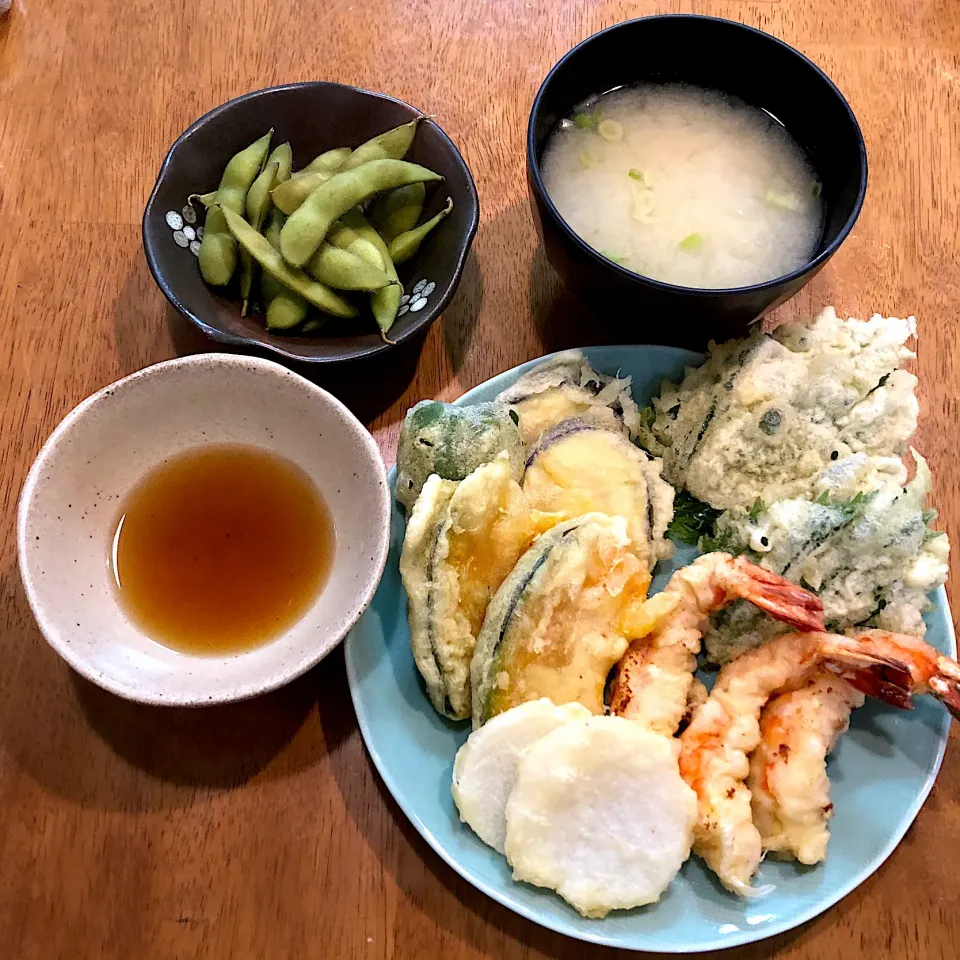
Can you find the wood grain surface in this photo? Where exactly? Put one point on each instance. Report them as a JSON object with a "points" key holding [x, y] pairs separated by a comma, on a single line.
{"points": [[261, 830]]}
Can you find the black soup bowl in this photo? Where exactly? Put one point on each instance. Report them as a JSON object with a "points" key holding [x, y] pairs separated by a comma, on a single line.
{"points": [[733, 59], [314, 117]]}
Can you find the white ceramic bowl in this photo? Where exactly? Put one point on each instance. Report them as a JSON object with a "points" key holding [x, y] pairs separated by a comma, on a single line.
{"points": [[102, 449]]}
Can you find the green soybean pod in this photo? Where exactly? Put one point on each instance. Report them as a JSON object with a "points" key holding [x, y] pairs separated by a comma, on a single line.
{"points": [[343, 270], [289, 195], [240, 173], [258, 196], [207, 199], [271, 233], [398, 211], [385, 302], [218, 249], [347, 238], [329, 162], [314, 325], [308, 224], [282, 156], [284, 308], [270, 260], [402, 248], [257, 204], [391, 145], [286, 311]]}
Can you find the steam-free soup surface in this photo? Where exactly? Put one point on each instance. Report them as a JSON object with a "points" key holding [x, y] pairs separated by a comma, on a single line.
{"points": [[221, 548], [685, 185]]}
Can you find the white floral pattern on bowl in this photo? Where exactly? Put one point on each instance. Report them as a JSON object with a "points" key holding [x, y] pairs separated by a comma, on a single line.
{"points": [[185, 234], [416, 300]]}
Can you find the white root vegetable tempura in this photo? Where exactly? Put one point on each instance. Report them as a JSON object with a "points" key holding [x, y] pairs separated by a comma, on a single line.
{"points": [[685, 185], [600, 814], [485, 768]]}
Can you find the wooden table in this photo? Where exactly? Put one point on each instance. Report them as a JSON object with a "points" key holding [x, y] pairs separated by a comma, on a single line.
{"points": [[261, 829]]}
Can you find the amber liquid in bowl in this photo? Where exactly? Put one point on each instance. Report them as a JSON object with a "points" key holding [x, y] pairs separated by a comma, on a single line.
{"points": [[221, 549]]}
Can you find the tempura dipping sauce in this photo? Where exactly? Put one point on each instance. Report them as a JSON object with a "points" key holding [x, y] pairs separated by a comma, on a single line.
{"points": [[685, 185], [221, 549]]}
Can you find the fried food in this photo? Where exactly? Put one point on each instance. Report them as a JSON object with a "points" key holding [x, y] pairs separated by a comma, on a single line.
{"points": [[566, 387], [485, 768], [788, 782], [872, 559], [766, 416], [578, 467], [461, 542], [552, 629], [452, 442], [600, 814], [653, 680], [724, 731]]}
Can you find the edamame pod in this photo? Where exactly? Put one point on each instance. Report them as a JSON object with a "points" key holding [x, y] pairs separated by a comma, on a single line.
{"points": [[257, 204], [343, 270], [298, 187], [271, 231], [385, 302], [282, 156], [207, 199], [314, 325], [258, 196], [304, 231], [285, 309], [403, 247], [270, 260], [288, 196], [218, 249], [398, 211], [240, 173], [391, 145], [329, 162], [347, 238]]}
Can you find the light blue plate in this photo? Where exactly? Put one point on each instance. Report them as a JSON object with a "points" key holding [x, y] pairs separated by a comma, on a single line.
{"points": [[881, 772]]}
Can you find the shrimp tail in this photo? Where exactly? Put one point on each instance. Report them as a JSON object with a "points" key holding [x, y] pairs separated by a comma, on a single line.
{"points": [[783, 600], [881, 678], [947, 691], [871, 663]]}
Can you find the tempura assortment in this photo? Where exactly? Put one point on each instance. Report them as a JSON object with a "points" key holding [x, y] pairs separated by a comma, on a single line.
{"points": [[598, 761]]}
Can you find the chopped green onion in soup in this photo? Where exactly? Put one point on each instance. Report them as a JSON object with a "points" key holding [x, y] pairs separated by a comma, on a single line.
{"points": [[643, 204], [786, 201], [612, 256], [586, 121], [698, 165], [610, 130]]}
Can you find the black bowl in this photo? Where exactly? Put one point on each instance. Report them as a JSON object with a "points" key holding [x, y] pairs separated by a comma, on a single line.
{"points": [[314, 117], [720, 55]]}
